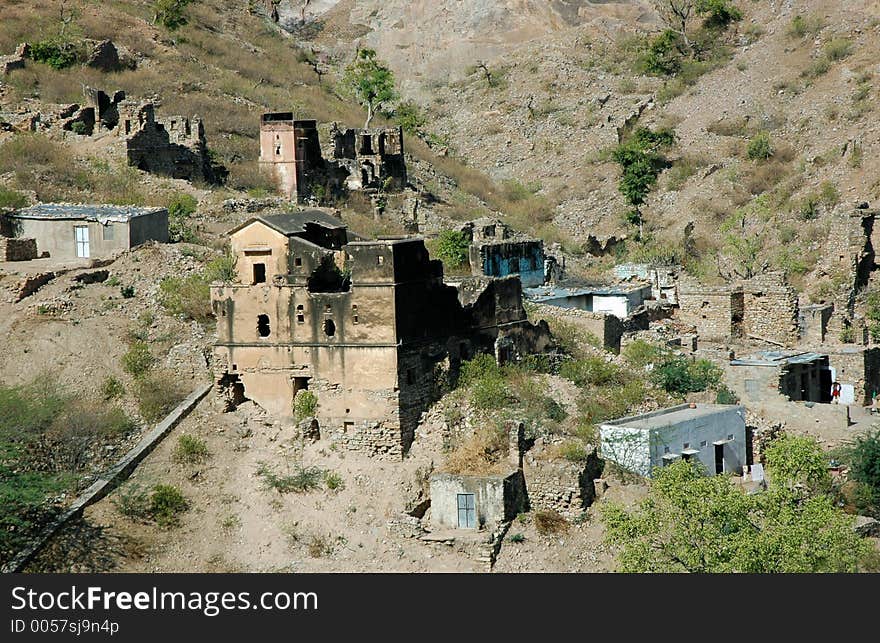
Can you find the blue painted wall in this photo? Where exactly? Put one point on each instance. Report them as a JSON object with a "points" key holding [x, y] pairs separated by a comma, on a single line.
{"points": [[525, 259]]}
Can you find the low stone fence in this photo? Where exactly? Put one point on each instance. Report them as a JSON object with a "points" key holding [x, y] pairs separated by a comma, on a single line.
{"points": [[111, 478]]}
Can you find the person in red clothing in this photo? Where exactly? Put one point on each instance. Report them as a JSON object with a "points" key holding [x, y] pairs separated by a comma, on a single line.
{"points": [[835, 393]]}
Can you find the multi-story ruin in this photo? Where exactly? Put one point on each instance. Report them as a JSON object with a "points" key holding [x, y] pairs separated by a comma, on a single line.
{"points": [[290, 151], [175, 146], [373, 158], [363, 325]]}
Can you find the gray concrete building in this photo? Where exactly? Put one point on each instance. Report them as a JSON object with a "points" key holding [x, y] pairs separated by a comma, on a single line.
{"points": [[475, 502], [78, 231], [713, 434]]}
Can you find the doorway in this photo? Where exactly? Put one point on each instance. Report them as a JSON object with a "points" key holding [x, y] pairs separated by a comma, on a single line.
{"points": [[719, 459], [467, 513], [81, 236]]}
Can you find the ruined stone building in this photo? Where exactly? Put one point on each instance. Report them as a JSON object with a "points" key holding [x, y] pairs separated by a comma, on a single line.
{"points": [[807, 376], [495, 251], [367, 160], [364, 325], [663, 279], [174, 146], [763, 308], [290, 152], [372, 157]]}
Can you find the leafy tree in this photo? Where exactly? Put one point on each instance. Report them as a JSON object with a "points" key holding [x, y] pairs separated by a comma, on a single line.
{"points": [[641, 162], [171, 14], [695, 523], [663, 55], [677, 15], [453, 247], [795, 461], [371, 82], [864, 457]]}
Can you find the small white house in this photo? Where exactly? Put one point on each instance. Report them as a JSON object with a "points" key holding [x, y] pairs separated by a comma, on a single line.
{"points": [[714, 434], [620, 301]]}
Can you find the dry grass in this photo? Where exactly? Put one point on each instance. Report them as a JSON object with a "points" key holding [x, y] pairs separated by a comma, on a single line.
{"points": [[550, 523], [484, 453]]}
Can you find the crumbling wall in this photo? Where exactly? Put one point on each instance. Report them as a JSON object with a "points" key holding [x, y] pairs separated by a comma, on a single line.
{"points": [[849, 257], [814, 322], [859, 367], [562, 486], [175, 146], [606, 328], [373, 158], [504, 258], [716, 312], [17, 249], [770, 309]]}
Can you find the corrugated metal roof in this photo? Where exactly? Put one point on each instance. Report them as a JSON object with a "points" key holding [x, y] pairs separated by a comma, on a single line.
{"points": [[91, 212]]}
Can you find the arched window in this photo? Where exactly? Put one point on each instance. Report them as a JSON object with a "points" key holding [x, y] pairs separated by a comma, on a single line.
{"points": [[263, 329]]}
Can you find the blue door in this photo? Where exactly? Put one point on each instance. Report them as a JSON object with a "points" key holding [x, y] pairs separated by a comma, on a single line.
{"points": [[467, 514]]}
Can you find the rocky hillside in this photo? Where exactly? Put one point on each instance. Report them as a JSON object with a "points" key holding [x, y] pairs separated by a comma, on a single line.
{"points": [[563, 90]]}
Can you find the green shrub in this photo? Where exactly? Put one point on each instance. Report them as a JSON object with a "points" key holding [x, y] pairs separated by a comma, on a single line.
{"points": [[157, 396], [453, 247], [760, 147], [801, 26], [680, 375], [334, 481], [191, 450], [171, 14], [640, 353], [485, 381], [305, 403], [79, 128], [12, 199], [221, 269], [127, 292], [719, 13], [725, 396], [112, 388], [301, 480], [592, 371], [166, 505], [553, 410], [180, 208], [864, 458], [573, 451], [410, 117], [662, 56], [189, 297], [138, 360], [56, 53], [838, 49], [133, 501], [516, 538]]}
